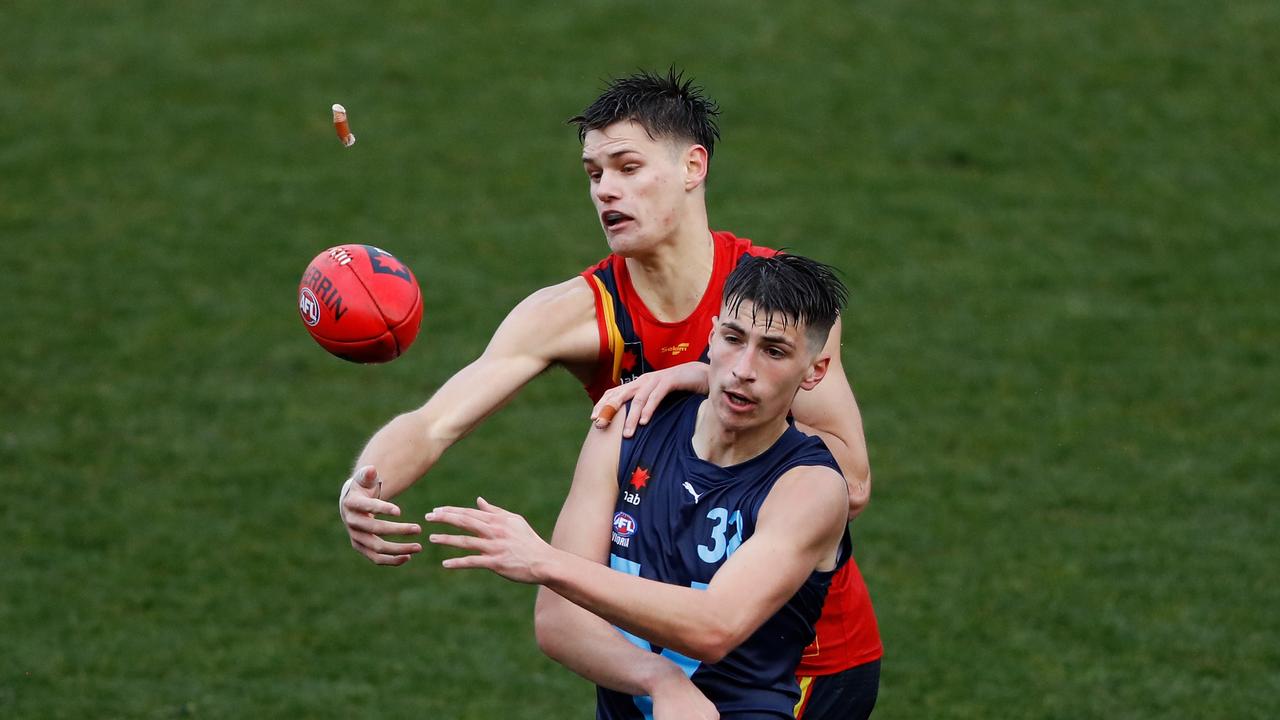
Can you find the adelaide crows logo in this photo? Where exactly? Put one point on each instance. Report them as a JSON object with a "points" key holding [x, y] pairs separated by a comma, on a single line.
{"points": [[386, 263]]}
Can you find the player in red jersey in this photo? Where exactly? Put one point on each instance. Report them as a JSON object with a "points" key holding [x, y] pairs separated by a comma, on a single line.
{"points": [[647, 145]]}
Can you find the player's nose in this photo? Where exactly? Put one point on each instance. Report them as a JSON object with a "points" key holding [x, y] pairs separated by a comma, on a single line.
{"points": [[607, 188], [743, 367]]}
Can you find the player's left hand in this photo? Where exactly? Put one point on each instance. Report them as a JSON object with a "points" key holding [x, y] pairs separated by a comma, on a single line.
{"points": [[646, 393], [501, 541]]}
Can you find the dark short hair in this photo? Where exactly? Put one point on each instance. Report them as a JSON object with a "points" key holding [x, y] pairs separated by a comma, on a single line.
{"points": [[789, 288], [664, 105]]}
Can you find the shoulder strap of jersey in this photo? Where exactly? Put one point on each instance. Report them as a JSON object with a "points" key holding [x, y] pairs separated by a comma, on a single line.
{"points": [[675, 415], [614, 326], [603, 289]]}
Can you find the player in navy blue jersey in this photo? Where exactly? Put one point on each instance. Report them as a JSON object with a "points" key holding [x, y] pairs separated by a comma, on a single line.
{"points": [[707, 539]]}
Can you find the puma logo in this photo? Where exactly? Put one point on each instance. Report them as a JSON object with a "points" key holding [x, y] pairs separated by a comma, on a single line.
{"points": [[694, 493]]}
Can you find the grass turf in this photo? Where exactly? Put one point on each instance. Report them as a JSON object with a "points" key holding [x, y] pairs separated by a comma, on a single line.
{"points": [[1058, 220]]}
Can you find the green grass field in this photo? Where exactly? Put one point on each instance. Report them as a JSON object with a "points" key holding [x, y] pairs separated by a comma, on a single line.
{"points": [[1059, 221]]}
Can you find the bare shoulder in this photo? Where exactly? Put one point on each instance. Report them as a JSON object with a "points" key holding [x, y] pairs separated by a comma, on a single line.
{"points": [[570, 296], [557, 321], [808, 496]]}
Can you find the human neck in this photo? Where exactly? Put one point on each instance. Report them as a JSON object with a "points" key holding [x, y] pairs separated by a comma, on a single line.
{"points": [[718, 445], [672, 278]]}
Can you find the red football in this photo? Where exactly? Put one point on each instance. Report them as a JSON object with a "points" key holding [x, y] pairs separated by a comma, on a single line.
{"points": [[360, 303]]}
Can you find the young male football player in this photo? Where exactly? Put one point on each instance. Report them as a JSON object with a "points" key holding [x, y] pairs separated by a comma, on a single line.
{"points": [[647, 143], [710, 536]]}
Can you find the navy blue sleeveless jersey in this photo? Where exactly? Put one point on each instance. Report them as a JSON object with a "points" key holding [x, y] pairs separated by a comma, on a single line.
{"points": [[677, 519]]}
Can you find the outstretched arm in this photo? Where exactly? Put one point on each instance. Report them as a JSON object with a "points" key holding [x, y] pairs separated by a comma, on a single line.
{"points": [[553, 325], [797, 530]]}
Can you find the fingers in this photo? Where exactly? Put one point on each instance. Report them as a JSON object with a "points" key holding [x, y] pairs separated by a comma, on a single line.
{"points": [[462, 542], [393, 560], [473, 521], [642, 408], [382, 552], [605, 416], [479, 546], [367, 524], [467, 562], [607, 406], [646, 398], [367, 477], [644, 394], [356, 503], [650, 406]]}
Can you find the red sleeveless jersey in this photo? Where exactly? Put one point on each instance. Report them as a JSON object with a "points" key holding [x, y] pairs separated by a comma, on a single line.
{"points": [[633, 342]]}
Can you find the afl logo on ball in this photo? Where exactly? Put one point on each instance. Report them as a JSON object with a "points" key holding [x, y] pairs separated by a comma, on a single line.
{"points": [[309, 307]]}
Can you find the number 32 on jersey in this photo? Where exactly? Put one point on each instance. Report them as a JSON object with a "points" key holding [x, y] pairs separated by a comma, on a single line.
{"points": [[722, 545]]}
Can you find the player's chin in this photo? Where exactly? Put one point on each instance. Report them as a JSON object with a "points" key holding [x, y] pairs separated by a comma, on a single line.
{"points": [[625, 240]]}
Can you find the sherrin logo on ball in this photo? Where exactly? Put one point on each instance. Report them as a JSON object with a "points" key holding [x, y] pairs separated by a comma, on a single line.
{"points": [[360, 303]]}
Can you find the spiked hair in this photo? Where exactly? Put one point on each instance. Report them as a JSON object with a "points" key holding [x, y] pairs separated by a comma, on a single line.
{"points": [[665, 106], [788, 288]]}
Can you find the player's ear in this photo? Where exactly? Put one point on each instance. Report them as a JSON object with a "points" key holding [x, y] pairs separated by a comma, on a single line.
{"points": [[817, 370], [695, 166], [711, 336]]}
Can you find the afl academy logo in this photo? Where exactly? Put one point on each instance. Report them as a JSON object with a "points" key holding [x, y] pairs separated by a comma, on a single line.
{"points": [[309, 306], [624, 526]]}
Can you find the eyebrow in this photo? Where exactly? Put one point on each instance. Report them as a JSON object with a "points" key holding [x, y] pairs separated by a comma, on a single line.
{"points": [[775, 339], [611, 156]]}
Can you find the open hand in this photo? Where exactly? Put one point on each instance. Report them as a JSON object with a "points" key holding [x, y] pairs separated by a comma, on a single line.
{"points": [[357, 506], [501, 541]]}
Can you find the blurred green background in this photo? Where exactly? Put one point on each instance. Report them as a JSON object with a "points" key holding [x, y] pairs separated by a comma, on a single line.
{"points": [[1059, 221]]}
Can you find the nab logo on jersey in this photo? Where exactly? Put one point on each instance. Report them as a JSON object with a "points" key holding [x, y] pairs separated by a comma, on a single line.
{"points": [[624, 526]]}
